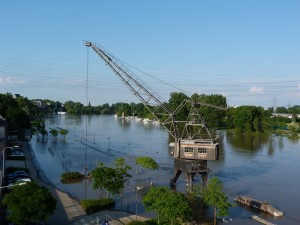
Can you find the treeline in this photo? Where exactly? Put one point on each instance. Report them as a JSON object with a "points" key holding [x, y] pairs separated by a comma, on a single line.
{"points": [[22, 113], [214, 110], [17, 111]]}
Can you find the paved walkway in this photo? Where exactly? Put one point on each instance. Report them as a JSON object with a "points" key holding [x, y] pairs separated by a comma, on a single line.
{"points": [[67, 208]]}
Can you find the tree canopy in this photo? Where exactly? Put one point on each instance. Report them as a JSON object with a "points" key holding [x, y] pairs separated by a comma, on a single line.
{"points": [[171, 207], [29, 203], [111, 179], [147, 162], [213, 195]]}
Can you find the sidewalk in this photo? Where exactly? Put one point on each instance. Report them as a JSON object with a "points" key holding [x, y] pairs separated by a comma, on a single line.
{"points": [[67, 208]]}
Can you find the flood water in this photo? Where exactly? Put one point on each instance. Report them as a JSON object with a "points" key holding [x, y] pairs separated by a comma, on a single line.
{"points": [[265, 168]]}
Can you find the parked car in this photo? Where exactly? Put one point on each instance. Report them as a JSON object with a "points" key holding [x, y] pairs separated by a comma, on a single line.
{"points": [[225, 219], [17, 173], [18, 181], [16, 152]]}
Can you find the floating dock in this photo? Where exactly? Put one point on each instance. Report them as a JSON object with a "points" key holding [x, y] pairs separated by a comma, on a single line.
{"points": [[258, 219]]}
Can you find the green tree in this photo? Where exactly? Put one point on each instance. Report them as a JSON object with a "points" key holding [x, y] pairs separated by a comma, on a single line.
{"points": [[171, 207], [29, 203], [212, 194], [63, 132], [54, 133], [176, 98], [213, 116], [111, 179], [294, 127], [147, 162]]}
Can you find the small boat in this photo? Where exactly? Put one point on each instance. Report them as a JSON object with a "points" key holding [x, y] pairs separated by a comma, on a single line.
{"points": [[138, 119], [147, 121], [156, 122]]}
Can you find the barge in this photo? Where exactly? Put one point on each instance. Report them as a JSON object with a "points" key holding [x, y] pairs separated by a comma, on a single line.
{"points": [[263, 206]]}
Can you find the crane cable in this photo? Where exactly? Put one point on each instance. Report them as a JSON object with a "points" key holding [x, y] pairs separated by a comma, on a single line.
{"points": [[86, 127]]}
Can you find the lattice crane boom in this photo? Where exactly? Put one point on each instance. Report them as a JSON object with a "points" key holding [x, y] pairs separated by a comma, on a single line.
{"points": [[191, 148], [192, 139], [141, 90]]}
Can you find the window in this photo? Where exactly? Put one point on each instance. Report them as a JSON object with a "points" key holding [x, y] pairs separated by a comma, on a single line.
{"points": [[188, 149], [202, 151]]}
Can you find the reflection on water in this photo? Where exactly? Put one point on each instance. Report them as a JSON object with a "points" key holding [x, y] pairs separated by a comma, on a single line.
{"points": [[261, 166], [248, 142]]}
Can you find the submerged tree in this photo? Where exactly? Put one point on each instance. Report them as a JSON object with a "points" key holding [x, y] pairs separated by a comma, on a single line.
{"points": [[54, 133], [147, 162], [63, 132], [111, 179]]}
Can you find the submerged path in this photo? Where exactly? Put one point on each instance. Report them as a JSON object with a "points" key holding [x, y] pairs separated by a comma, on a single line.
{"points": [[68, 210]]}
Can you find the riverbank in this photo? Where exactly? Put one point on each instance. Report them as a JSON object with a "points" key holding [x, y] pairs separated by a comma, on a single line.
{"points": [[67, 208]]}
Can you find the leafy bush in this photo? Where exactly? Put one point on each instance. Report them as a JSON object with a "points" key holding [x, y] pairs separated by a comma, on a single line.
{"points": [[148, 222], [71, 177], [95, 205]]}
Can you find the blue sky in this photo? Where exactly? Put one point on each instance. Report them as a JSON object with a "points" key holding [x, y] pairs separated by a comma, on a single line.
{"points": [[248, 51]]}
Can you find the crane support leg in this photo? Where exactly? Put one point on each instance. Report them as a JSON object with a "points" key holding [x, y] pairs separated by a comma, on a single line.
{"points": [[176, 175], [190, 168]]}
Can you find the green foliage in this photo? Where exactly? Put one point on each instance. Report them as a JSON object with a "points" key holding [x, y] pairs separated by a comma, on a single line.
{"points": [[43, 131], [147, 222], [74, 107], [213, 117], [95, 205], [63, 132], [19, 111], [171, 207], [71, 177], [176, 98], [29, 203], [294, 127], [294, 109], [109, 178], [54, 132], [282, 110], [212, 194], [248, 119], [147, 162]]}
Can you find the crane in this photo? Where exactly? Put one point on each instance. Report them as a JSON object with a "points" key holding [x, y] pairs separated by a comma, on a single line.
{"points": [[193, 143]]}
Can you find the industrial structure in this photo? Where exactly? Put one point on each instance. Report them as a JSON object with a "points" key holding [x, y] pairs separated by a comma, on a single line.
{"points": [[193, 143]]}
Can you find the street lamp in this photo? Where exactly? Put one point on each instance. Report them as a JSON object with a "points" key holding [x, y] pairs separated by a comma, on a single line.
{"points": [[108, 143], [157, 160], [94, 138], [136, 199]]}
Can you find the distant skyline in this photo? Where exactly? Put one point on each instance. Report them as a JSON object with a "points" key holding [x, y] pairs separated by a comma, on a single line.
{"points": [[248, 51]]}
